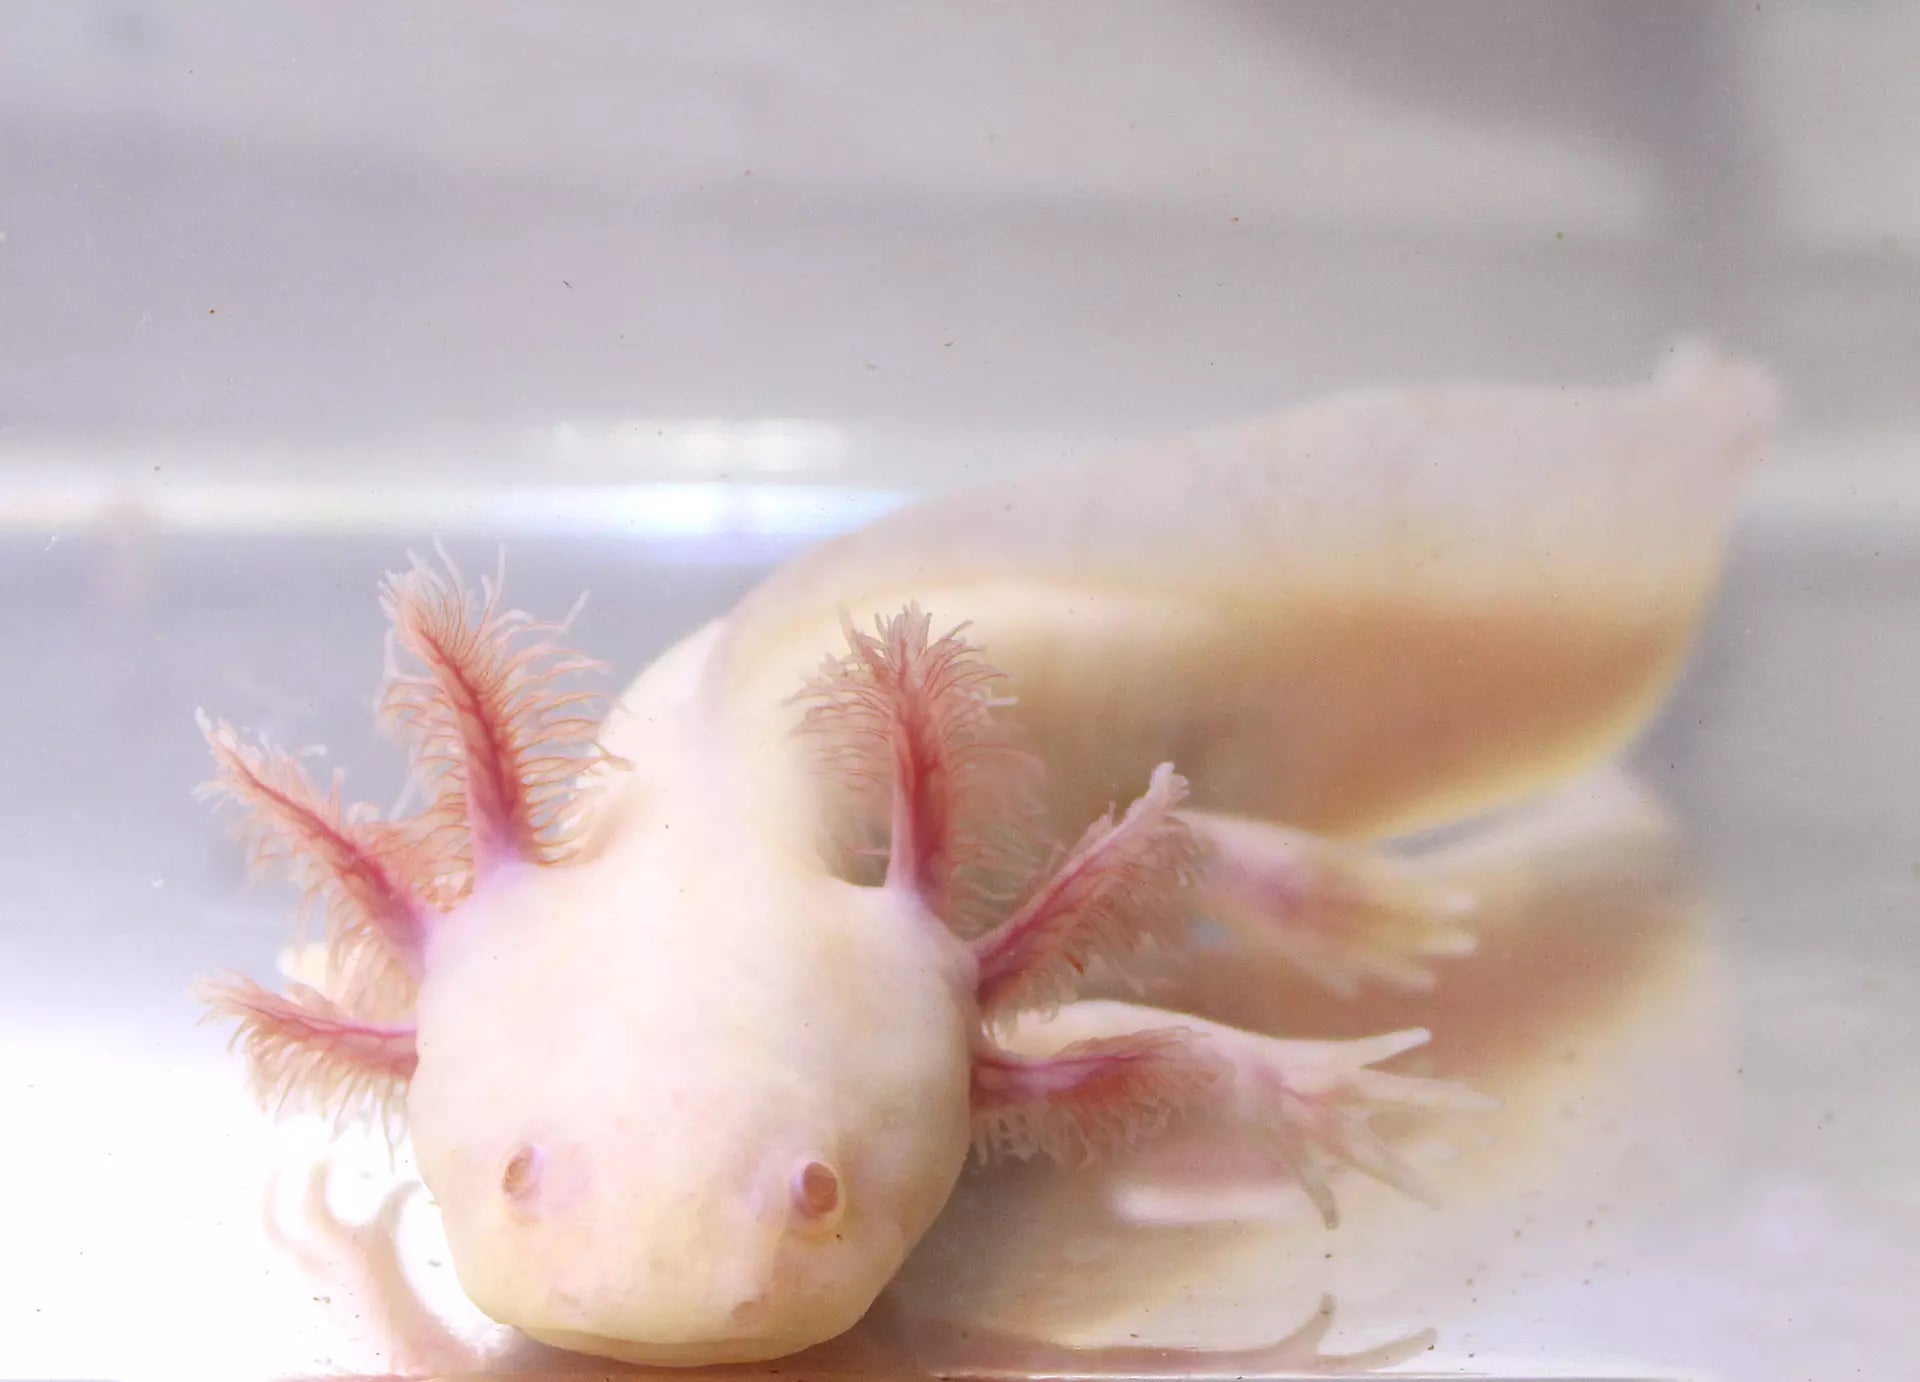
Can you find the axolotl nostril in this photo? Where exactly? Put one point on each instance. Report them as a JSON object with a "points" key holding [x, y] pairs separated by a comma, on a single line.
{"points": [[695, 1007]]}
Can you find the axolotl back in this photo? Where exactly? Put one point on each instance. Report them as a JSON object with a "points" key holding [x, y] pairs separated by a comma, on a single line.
{"points": [[695, 1008]]}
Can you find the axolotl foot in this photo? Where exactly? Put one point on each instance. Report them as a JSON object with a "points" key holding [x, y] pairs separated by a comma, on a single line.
{"points": [[367, 1287], [1343, 914]]}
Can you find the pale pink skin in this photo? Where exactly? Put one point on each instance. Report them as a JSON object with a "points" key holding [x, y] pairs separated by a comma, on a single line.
{"points": [[688, 1079]]}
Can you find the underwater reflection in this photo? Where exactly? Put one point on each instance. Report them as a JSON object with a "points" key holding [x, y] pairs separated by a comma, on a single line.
{"points": [[361, 1265]]}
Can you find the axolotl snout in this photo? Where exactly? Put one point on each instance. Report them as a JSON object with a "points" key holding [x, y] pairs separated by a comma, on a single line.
{"points": [[695, 1008]]}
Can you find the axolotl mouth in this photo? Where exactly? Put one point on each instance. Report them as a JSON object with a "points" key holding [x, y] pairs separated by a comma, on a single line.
{"points": [[692, 1354], [746, 1299], [752, 1343], [758, 1273]]}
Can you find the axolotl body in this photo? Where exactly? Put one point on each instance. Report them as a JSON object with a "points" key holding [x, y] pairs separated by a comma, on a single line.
{"points": [[695, 1009]]}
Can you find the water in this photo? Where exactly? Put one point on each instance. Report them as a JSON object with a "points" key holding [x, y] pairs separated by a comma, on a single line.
{"points": [[286, 295]]}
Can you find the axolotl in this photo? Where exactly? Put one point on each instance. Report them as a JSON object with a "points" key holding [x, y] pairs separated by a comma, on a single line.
{"points": [[695, 1008]]}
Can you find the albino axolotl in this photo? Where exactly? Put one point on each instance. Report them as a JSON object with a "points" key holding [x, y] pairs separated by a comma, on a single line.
{"points": [[696, 1009]]}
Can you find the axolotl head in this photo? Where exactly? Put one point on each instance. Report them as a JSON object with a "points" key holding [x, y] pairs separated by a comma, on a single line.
{"points": [[680, 1113]]}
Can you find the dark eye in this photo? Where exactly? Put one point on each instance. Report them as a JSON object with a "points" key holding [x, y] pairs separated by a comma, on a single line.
{"points": [[816, 1193], [522, 1174]]}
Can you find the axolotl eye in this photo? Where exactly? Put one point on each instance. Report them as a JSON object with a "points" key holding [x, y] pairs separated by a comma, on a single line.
{"points": [[520, 1178], [818, 1200]]}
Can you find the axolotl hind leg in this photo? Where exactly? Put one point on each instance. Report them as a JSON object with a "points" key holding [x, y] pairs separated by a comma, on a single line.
{"points": [[477, 693], [1344, 914]]}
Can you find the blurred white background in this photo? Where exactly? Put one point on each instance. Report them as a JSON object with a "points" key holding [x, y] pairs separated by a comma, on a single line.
{"points": [[485, 242]]}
